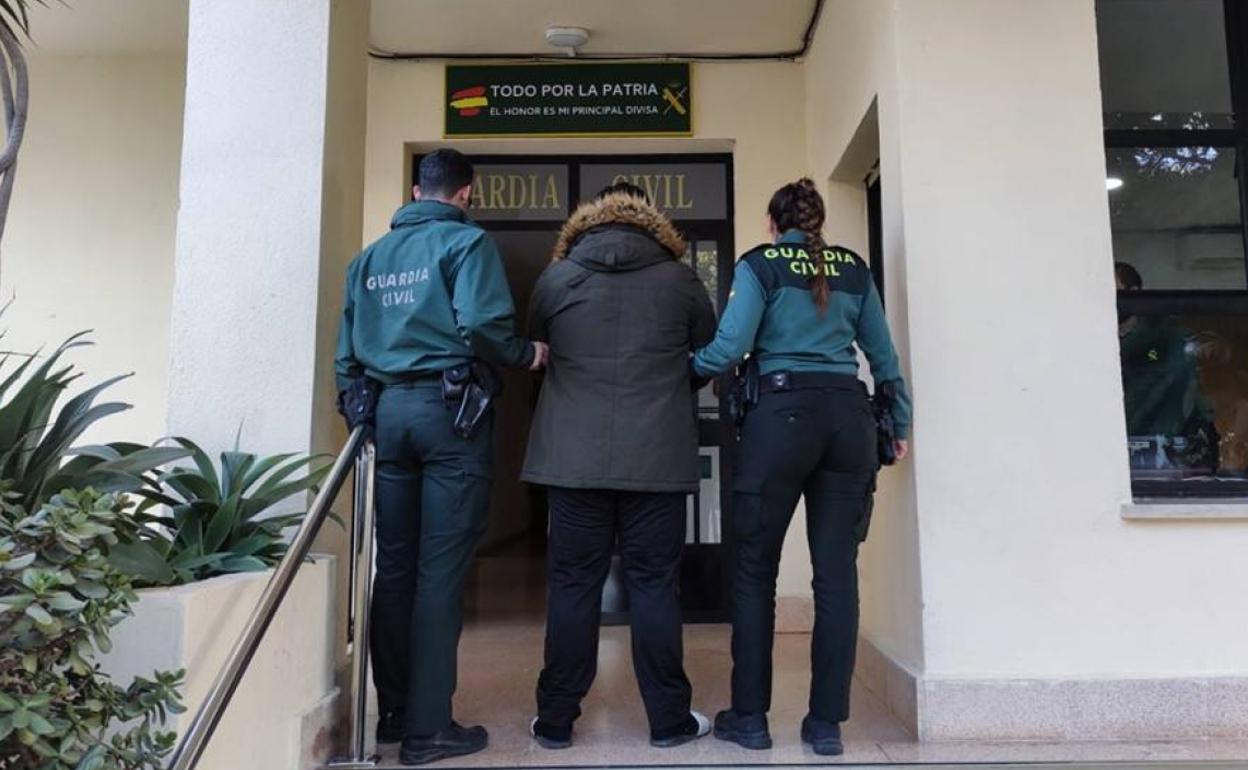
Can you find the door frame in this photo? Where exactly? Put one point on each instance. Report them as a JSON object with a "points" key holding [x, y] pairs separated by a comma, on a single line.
{"points": [[718, 432]]}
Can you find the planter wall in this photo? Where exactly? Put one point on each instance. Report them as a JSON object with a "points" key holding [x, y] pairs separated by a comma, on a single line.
{"points": [[287, 684]]}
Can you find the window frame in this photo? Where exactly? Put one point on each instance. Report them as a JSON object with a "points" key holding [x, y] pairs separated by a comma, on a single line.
{"points": [[1228, 302]]}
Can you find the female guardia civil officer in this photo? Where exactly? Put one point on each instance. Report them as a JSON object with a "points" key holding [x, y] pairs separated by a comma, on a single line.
{"points": [[799, 307]]}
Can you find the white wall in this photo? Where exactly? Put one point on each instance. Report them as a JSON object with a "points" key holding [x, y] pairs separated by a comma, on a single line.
{"points": [[851, 77], [90, 236], [1028, 570]]}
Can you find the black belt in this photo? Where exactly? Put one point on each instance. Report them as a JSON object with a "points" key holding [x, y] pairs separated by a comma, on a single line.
{"points": [[417, 380], [779, 382]]}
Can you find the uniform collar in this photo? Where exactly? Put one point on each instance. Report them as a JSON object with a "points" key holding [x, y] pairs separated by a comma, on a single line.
{"points": [[792, 236], [420, 211]]}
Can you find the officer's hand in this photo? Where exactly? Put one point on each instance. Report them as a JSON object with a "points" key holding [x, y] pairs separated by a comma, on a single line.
{"points": [[541, 354], [902, 448], [358, 402]]}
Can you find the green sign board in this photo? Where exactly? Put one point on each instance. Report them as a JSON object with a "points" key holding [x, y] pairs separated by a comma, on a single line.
{"points": [[649, 99]]}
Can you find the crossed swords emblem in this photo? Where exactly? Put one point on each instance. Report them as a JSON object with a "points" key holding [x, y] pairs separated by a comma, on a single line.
{"points": [[673, 100]]}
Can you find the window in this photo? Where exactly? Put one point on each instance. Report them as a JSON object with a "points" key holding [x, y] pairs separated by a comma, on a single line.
{"points": [[1175, 94]]}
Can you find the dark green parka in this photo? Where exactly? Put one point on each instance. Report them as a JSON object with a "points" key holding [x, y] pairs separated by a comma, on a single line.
{"points": [[622, 314]]}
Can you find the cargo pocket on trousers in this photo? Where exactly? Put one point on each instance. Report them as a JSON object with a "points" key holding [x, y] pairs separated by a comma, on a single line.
{"points": [[478, 484], [868, 506]]}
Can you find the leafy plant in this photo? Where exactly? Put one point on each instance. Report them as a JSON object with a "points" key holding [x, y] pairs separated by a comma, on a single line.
{"points": [[59, 598], [217, 519], [36, 438]]}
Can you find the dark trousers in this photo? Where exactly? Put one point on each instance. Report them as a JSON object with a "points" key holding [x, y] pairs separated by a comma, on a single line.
{"points": [[433, 494], [584, 526], [819, 443]]}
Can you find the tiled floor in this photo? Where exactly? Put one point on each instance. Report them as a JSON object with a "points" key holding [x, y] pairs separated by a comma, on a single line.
{"points": [[500, 657]]}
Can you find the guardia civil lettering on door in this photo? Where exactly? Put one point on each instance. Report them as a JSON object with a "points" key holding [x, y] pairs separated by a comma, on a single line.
{"points": [[523, 201]]}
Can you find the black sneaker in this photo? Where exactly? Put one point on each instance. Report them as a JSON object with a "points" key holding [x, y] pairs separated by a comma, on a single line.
{"points": [[748, 732], [390, 727], [693, 728], [549, 736], [454, 741], [823, 737]]}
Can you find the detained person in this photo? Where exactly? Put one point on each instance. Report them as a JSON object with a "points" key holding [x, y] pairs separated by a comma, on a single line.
{"points": [[615, 439], [427, 308], [798, 308]]}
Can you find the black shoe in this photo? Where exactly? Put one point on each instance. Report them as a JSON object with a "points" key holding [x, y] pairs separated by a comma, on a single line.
{"points": [[390, 727], [748, 732], [454, 741], [549, 736], [694, 727], [823, 737]]}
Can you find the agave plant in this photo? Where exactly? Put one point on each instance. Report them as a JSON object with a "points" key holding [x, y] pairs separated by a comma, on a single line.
{"points": [[218, 519], [37, 455]]}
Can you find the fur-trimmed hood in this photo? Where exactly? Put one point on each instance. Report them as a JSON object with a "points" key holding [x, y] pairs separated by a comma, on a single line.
{"points": [[620, 209]]}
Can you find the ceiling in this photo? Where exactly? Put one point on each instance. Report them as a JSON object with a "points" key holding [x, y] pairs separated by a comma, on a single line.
{"points": [[632, 27], [644, 27]]}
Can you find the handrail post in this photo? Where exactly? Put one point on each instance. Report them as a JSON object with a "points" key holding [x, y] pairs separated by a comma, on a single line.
{"points": [[360, 608], [192, 745]]}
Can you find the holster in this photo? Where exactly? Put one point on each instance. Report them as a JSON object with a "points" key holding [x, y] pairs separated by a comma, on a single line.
{"points": [[745, 390], [473, 388], [885, 427]]}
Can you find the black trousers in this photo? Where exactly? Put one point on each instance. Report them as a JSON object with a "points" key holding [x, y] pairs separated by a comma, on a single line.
{"points": [[584, 526], [819, 443], [433, 495]]}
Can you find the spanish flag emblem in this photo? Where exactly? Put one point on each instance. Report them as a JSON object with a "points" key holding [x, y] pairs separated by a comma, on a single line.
{"points": [[469, 101]]}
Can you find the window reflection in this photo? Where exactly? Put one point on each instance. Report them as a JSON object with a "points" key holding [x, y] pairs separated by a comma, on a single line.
{"points": [[1175, 215], [1164, 64], [704, 256], [1185, 384]]}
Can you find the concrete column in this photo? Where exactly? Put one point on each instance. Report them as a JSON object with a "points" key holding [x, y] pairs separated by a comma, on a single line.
{"points": [[271, 212], [271, 196]]}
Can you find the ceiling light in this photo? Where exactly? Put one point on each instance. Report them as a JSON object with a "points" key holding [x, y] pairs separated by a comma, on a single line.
{"points": [[1112, 183], [570, 38]]}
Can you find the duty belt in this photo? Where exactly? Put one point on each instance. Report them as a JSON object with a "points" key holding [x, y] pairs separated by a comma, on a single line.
{"points": [[416, 380], [779, 382]]}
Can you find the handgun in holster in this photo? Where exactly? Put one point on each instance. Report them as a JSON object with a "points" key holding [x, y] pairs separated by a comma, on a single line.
{"points": [[886, 428], [473, 387], [745, 390]]}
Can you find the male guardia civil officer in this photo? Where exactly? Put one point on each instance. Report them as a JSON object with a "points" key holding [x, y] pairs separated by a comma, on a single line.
{"points": [[427, 307]]}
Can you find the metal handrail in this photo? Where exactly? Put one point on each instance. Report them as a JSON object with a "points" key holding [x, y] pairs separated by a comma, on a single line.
{"points": [[358, 447], [359, 607]]}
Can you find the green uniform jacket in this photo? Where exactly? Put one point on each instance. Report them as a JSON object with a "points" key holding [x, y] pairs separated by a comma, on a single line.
{"points": [[771, 314], [428, 295], [1159, 379]]}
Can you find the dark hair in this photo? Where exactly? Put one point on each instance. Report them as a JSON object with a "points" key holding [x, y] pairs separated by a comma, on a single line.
{"points": [[799, 206], [443, 173], [623, 188], [1128, 276]]}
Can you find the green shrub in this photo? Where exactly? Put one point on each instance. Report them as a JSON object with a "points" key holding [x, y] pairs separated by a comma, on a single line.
{"points": [[59, 598], [217, 519]]}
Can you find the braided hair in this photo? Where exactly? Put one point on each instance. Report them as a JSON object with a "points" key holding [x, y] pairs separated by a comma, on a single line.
{"points": [[799, 206]]}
